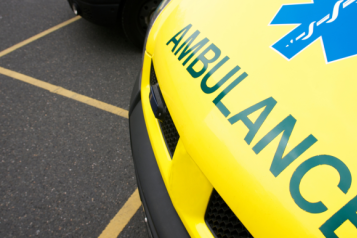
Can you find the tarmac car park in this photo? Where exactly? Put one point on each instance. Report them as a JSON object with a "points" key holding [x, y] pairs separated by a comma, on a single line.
{"points": [[242, 121], [65, 160]]}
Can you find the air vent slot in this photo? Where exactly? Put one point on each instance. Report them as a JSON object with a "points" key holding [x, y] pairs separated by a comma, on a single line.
{"points": [[168, 127], [222, 221], [153, 79]]}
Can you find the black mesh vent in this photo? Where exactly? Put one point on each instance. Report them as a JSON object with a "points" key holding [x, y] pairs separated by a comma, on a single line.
{"points": [[222, 221], [168, 127], [170, 133], [153, 79]]}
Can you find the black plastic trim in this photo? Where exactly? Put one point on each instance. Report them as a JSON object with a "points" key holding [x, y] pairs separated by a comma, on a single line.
{"points": [[135, 94], [163, 219]]}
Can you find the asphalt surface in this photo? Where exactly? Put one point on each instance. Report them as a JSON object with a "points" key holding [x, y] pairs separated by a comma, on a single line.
{"points": [[65, 167]]}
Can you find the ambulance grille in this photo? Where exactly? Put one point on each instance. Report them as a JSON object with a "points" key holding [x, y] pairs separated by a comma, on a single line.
{"points": [[170, 133], [222, 221], [153, 79], [168, 127]]}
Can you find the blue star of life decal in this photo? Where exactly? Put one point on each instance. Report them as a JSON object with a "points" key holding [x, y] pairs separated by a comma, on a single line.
{"points": [[334, 21]]}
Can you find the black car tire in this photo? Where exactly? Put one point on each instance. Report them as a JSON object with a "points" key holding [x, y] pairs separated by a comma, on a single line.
{"points": [[135, 17]]}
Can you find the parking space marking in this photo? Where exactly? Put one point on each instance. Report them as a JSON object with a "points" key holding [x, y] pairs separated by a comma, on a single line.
{"points": [[122, 218], [131, 206], [66, 93], [25, 42]]}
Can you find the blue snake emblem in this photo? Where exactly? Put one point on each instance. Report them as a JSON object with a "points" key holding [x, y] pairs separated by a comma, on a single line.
{"points": [[335, 22]]}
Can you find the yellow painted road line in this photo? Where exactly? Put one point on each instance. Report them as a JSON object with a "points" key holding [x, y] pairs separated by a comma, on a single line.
{"points": [[66, 93], [131, 206], [124, 215], [25, 42], [122, 218]]}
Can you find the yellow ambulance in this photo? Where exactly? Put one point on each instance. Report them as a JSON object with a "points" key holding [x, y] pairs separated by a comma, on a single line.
{"points": [[243, 119]]}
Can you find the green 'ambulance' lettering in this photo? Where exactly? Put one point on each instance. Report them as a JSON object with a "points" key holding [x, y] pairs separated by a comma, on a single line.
{"points": [[209, 90], [348, 212], [202, 57], [268, 103], [177, 41], [279, 163], [285, 127], [217, 101], [187, 50], [306, 166], [194, 49]]}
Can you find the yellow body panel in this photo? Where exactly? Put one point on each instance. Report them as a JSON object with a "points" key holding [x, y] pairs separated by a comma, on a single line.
{"points": [[213, 153], [187, 186]]}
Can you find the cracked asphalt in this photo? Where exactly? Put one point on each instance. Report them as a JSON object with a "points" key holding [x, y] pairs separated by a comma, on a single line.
{"points": [[65, 167]]}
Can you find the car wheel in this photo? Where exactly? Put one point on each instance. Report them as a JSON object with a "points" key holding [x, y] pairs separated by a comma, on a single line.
{"points": [[135, 19]]}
